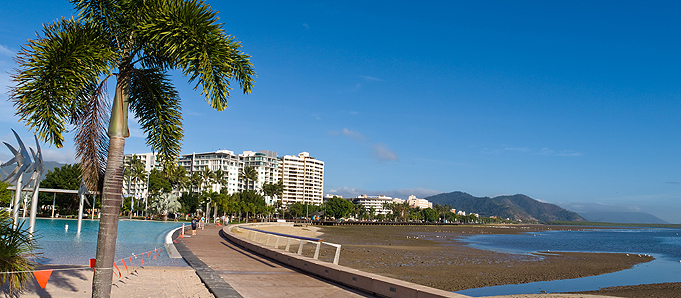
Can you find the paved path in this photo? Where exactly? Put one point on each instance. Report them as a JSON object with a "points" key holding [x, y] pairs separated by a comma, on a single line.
{"points": [[254, 276]]}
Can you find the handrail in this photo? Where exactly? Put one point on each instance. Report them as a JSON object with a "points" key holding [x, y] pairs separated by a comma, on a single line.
{"points": [[285, 235], [301, 241]]}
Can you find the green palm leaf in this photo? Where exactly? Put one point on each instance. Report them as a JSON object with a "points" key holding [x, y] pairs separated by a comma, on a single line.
{"points": [[188, 37], [155, 103], [60, 72]]}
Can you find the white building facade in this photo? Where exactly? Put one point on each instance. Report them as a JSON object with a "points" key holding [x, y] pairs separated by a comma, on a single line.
{"points": [[140, 189], [303, 179], [302, 175], [266, 164], [376, 202], [419, 203], [224, 160]]}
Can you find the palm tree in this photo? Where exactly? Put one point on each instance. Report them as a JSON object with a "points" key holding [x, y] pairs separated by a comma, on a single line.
{"points": [[195, 180], [220, 177], [16, 254], [248, 174], [62, 76], [207, 177], [179, 178], [133, 170]]}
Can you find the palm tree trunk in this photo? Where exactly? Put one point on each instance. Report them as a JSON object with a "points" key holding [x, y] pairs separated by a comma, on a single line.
{"points": [[108, 224]]}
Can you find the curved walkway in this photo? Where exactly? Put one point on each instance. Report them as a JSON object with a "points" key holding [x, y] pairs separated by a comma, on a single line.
{"points": [[249, 275]]}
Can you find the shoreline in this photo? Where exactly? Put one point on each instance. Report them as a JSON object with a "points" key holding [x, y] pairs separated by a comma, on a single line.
{"points": [[402, 252]]}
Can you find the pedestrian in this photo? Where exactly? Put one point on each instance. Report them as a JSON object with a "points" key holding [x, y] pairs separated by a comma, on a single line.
{"points": [[195, 221], [202, 222]]}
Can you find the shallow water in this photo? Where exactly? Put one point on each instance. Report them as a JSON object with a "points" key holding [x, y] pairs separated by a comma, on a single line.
{"points": [[65, 246], [663, 244]]}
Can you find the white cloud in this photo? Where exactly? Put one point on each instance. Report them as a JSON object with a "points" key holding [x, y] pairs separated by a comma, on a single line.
{"points": [[352, 134], [6, 52], [355, 135], [383, 153], [379, 151], [404, 193], [370, 78]]}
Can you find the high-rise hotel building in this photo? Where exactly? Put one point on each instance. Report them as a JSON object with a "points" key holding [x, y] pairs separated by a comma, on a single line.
{"points": [[302, 175], [303, 178], [224, 160]]}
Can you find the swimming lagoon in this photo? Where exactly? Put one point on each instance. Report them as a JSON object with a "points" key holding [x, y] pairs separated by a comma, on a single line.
{"points": [[64, 246]]}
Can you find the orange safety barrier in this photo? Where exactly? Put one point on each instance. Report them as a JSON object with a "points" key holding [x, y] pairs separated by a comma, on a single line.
{"points": [[119, 270], [42, 277], [126, 266]]}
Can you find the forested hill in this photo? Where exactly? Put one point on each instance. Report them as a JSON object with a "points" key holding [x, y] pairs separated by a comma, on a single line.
{"points": [[518, 207]]}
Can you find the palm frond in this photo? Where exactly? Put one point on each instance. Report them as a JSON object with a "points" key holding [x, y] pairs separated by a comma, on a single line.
{"points": [[186, 34], [155, 103], [91, 137], [17, 255], [58, 73]]}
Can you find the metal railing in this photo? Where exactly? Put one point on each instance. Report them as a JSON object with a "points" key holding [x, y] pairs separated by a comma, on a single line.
{"points": [[260, 235]]}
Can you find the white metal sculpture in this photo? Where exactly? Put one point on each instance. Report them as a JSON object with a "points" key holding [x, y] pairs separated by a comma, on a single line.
{"points": [[38, 169], [82, 191], [23, 161]]}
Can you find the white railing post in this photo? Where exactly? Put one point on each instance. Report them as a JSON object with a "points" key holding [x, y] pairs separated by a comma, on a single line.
{"points": [[316, 252], [336, 258], [300, 247], [276, 243], [288, 243]]}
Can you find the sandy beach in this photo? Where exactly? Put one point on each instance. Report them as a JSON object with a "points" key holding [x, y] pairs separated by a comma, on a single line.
{"points": [[401, 252]]}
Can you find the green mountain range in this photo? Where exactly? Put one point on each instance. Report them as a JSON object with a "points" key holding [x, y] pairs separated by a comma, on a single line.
{"points": [[516, 207]]}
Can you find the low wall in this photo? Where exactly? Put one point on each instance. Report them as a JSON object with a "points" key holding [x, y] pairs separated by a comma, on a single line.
{"points": [[363, 281]]}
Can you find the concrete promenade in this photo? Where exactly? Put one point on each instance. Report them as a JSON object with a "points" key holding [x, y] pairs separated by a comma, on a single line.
{"points": [[254, 276]]}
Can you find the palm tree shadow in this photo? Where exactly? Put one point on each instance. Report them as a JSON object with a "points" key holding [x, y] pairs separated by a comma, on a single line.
{"points": [[62, 282]]}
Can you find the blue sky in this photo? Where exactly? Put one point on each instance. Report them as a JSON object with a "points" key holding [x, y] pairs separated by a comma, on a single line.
{"points": [[574, 103]]}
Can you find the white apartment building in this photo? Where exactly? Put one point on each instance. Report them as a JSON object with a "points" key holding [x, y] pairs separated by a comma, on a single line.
{"points": [[303, 179], [140, 189], [374, 201], [266, 164], [226, 160], [419, 203], [302, 175]]}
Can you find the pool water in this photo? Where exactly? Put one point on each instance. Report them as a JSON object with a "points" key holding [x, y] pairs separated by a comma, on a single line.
{"points": [[59, 245]]}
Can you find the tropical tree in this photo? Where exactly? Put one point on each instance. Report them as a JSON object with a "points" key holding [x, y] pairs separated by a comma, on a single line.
{"points": [[220, 177], [133, 170], [16, 255], [207, 177], [247, 174], [65, 177], [62, 75], [179, 178], [195, 181], [158, 183], [165, 203], [338, 208], [5, 194]]}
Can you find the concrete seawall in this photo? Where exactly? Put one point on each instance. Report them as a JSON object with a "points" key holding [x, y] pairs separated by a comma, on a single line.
{"points": [[363, 281]]}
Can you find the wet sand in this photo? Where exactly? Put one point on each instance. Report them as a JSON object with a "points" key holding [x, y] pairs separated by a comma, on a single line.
{"points": [[443, 262]]}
